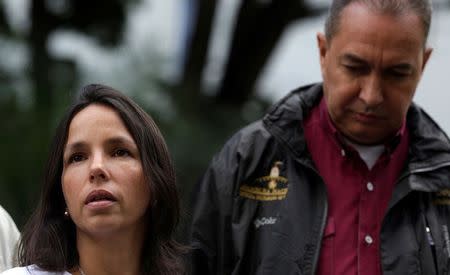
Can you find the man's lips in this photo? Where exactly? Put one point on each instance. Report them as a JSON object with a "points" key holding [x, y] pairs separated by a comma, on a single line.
{"points": [[367, 117], [99, 196]]}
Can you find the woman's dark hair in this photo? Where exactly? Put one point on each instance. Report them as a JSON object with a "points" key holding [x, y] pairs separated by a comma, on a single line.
{"points": [[49, 238]]}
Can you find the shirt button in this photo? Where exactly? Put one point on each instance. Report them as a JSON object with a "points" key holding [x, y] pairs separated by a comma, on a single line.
{"points": [[370, 186], [368, 239]]}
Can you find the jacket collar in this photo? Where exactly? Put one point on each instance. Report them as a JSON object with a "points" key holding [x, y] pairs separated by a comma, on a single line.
{"points": [[283, 120], [429, 145]]}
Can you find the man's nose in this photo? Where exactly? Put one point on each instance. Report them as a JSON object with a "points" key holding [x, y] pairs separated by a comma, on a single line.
{"points": [[371, 92]]}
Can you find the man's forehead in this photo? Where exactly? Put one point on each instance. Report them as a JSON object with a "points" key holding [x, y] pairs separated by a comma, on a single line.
{"points": [[360, 22], [358, 14]]}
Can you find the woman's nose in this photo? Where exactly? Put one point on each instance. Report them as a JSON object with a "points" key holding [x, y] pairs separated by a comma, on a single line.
{"points": [[98, 170]]}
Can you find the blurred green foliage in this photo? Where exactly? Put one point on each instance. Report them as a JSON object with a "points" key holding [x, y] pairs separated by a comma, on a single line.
{"points": [[194, 124]]}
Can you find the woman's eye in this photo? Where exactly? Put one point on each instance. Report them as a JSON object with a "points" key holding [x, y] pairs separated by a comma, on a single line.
{"points": [[76, 158], [121, 153]]}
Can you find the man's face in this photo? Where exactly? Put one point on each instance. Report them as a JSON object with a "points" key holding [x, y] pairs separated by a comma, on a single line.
{"points": [[370, 69]]}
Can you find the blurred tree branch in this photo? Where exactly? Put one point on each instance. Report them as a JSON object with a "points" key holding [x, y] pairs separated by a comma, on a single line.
{"points": [[198, 47], [102, 19], [4, 26], [260, 24]]}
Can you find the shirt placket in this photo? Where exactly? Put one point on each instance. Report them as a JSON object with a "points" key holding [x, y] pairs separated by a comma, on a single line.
{"points": [[367, 226]]}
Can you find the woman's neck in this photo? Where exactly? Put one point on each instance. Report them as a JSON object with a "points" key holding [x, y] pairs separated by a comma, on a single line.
{"points": [[113, 254]]}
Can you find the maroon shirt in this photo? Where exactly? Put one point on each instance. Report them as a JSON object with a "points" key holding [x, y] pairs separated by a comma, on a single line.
{"points": [[357, 197]]}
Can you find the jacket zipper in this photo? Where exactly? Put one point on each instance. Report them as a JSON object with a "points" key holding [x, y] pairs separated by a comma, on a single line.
{"points": [[322, 223], [430, 240], [319, 240]]}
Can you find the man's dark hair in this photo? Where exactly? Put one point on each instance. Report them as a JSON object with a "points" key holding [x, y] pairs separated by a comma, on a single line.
{"points": [[422, 8], [49, 238]]}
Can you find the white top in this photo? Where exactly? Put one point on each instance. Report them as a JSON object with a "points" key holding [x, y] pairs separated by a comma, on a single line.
{"points": [[368, 153], [32, 270], [9, 236]]}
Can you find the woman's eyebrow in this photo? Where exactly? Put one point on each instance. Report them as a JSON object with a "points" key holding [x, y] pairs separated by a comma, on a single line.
{"points": [[75, 146], [120, 141]]}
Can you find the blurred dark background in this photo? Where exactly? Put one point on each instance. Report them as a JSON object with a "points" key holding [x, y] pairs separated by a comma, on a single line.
{"points": [[57, 46]]}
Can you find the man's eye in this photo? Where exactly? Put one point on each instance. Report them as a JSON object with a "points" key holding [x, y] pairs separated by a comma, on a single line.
{"points": [[121, 153], [351, 68], [355, 69], [76, 158], [399, 74]]}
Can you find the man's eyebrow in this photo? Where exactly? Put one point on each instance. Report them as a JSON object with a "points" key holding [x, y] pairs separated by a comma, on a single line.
{"points": [[348, 57], [403, 66]]}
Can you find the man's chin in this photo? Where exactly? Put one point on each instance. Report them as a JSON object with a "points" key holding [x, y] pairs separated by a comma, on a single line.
{"points": [[365, 138]]}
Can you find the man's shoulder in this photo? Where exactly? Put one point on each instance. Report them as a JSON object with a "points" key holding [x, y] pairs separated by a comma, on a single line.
{"points": [[252, 137], [281, 120], [420, 121], [427, 135], [307, 95], [290, 107], [254, 130], [294, 107]]}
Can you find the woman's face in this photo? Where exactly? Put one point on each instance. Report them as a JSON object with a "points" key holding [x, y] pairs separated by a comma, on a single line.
{"points": [[102, 180]]}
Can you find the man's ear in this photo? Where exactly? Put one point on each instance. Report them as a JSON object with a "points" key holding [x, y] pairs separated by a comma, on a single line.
{"points": [[426, 56], [322, 45]]}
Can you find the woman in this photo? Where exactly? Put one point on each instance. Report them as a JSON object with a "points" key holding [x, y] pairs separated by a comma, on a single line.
{"points": [[109, 203]]}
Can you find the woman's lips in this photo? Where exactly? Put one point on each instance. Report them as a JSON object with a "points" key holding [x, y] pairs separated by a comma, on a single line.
{"points": [[100, 204], [100, 199]]}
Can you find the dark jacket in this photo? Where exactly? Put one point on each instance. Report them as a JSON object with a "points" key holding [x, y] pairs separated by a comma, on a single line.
{"points": [[261, 206]]}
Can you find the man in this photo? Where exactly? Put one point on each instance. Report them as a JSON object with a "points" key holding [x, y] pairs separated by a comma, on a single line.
{"points": [[344, 177], [9, 236]]}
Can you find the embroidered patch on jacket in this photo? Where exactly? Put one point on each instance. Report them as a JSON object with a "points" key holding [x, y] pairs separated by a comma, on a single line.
{"points": [[442, 197], [267, 188]]}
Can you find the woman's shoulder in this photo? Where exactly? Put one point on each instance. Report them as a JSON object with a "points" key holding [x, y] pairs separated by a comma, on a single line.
{"points": [[31, 270]]}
